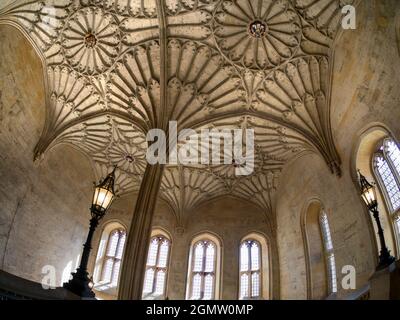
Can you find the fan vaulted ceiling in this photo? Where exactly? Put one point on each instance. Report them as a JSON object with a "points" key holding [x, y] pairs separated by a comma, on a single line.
{"points": [[117, 68]]}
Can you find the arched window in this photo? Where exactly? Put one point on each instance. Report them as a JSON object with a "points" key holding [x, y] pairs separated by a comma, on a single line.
{"points": [[109, 257], [386, 167], [329, 254], [378, 159], [203, 269], [386, 164], [254, 269], [156, 267], [319, 251], [112, 261], [250, 269]]}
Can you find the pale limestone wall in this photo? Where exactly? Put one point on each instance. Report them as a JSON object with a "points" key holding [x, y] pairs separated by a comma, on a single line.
{"points": [[309, 178], [366, 73], [230, 220], [44, 207], [5, 3], [365, 83], [365, 91]]}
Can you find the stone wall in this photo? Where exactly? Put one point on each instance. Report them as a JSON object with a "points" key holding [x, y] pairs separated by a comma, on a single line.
{"points": [[309, 178], [44, 206], [364, 92]]}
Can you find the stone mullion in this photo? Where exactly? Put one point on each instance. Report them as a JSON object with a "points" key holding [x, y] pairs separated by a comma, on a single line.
{"points": [[156, 269], [203, 271], [192, 273], [107, 257], [250, 273], [114, 257]]}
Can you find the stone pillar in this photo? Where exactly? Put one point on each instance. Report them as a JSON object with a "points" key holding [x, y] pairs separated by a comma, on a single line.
{"points": [[134, 262]]}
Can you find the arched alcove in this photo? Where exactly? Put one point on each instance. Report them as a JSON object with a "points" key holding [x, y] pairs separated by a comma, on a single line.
{"points": [[364, 149], [317, 285]]}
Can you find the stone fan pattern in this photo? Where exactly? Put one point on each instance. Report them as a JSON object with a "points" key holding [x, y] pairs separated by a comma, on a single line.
{"points": [[278, 43], [325, 15], [107, 64], [109, 141], [186, 188], [91, 41]]}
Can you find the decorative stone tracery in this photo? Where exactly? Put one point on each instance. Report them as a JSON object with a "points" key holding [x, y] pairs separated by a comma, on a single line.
{"points": [[91, 41], [117, 68], [257, 34]]}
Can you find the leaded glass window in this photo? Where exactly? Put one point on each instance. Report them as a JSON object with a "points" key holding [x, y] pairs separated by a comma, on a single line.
{"points": [[203, 270], [329, 254], [156, 267], [113, 257], [387, 169], [393, 153], [250, 270]]}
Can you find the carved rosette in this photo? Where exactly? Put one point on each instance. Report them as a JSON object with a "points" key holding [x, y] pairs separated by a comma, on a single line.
{"points": [[91, 41], [259, 34]]}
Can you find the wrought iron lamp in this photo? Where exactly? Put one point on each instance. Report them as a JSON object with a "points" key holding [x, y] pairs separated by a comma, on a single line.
{"points": [[368, 194], [103, 196]]}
